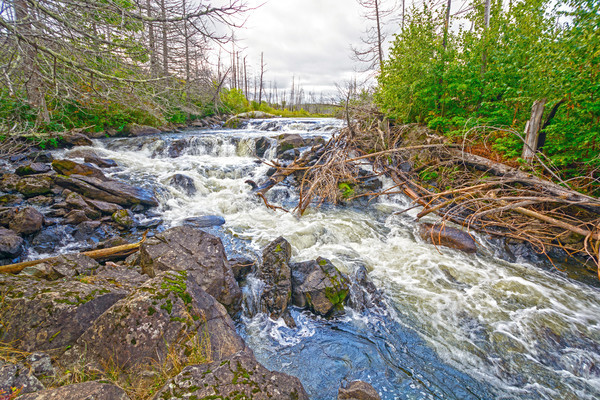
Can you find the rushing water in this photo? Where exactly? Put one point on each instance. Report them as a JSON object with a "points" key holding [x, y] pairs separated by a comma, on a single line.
{"points": [[456, 326]]}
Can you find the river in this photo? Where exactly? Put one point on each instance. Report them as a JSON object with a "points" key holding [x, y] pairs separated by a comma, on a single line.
{"points": [[455, 326]]}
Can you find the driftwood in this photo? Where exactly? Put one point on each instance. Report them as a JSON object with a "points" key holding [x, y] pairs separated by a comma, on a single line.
{"points": [[100, 254]]}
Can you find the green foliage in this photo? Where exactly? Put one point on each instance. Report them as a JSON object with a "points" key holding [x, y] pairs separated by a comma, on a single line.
{"points": [[234, 101], [346, 189], [533, 49]]}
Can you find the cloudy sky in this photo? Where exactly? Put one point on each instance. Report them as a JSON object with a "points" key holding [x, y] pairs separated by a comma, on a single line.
{"points": [[308, 39]]}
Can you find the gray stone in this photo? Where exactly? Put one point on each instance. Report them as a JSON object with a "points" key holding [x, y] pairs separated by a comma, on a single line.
{"points": [[124, 218], [76, 139], [11, 244], [33, 168], [99, 161], [15, 376], [39, 315], [276, 274], [109, 190], [184, 183], [68, 168], [202, 255], [75, 217], [26, 221], [80, 391], [320, 286], [241, 267], [237, 377], [104, 207], [442, 235], [41, 364], [168, 315], [34, 185], [358, 390], [138, 130], [8, 183], [6, 215]]}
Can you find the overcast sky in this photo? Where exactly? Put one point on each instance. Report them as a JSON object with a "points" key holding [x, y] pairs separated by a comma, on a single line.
{"points": [[308, 39]]}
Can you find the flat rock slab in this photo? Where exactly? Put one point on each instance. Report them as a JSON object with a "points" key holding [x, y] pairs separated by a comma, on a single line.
{"points": [[38, 315], [168, 315], [201, 254], [237, 377], [80, 391], [358, 390]]}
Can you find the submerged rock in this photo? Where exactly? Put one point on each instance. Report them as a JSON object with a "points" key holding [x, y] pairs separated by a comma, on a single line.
{"points": [[202, 255], [358, 390], [39, 315], [442, 235], [320, 286], [184, 183], [276, 274], [168, 316], [80, 391], [237, 377]]}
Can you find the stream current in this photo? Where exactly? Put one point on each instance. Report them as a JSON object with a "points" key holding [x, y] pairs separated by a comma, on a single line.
{"points": [[455, 326]]}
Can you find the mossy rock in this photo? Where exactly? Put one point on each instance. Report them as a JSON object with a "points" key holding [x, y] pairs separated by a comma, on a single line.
{"points": [[34, 185]]}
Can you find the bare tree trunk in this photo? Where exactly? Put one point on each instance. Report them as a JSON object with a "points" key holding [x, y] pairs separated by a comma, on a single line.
{"points": [[245, 78], [33, 84], [187, 51], [165, 38], [446, 24], [262, 70], [151, 42], [379, 38], [532, 129]]}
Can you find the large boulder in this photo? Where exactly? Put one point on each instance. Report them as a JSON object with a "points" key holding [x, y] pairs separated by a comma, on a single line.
{"points": [[237, 377], [11, 244], [26, 221], [201, 254], [183, 182], [38, 315], [320, 286], [289, 141], [109, 190], [138, 130], [275, 272], [34, 185], [76, 139], [358, 390], [442, 235], [91, 390], [169, 317], [64, 266], [68, 168]]}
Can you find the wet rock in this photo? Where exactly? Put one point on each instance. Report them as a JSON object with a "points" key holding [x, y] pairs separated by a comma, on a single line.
{"points": [[68, 168], [6, 215], [358, 390], [442, 235], [239, 376], [184, 183], [110, 191], [241, 267], [80, 391], [99, 161], [42, 157], [276, 274], [205, 221], [26, 221], [74, 200], [138, 130], [86, 230], [8, 183], [75, 217], [104, 207], [17, 376], [41, 200], [202, 255], [11, 244], [76, 139], [176, 148], [169, 314], [34, 185], [51, 238], [124, 218], [262, 145], [39, 315], [289, 155], [11, 199], [289, 141], [33, 168], [320, 286], [70, 265], [41, 364], [363, 292]]}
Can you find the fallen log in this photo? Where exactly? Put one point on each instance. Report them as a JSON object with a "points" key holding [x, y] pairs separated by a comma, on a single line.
{"points": [[498, 169], [100, 254]]}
